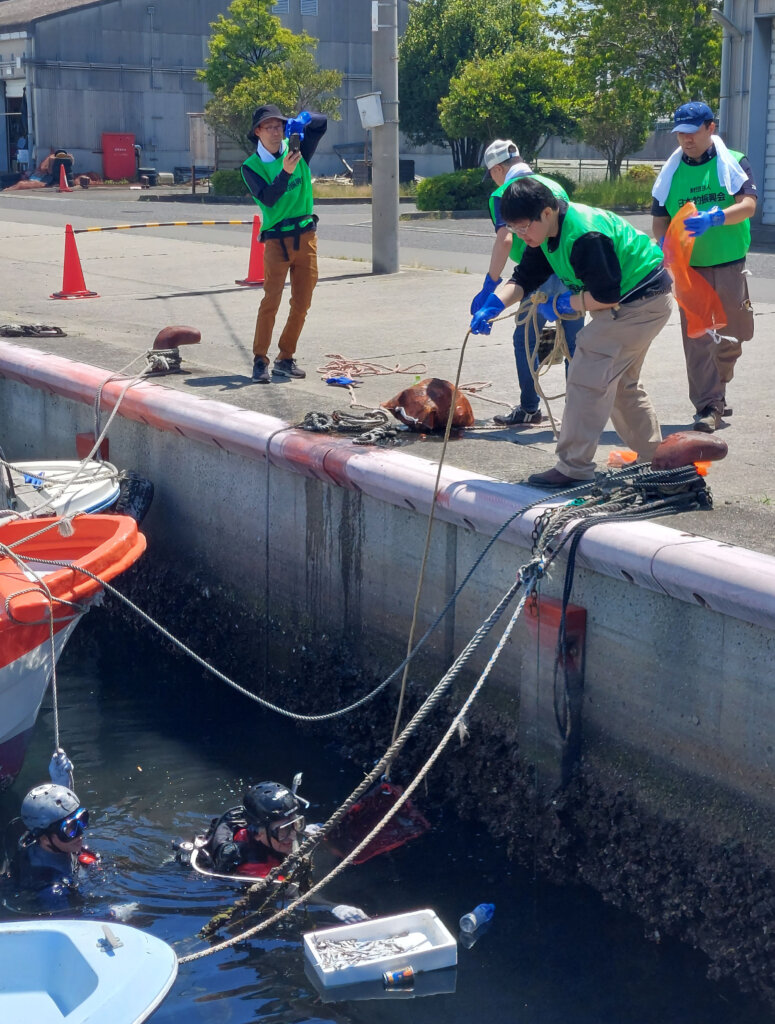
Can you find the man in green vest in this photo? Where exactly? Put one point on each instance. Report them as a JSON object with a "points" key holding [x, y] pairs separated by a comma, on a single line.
{"points": [[616, 274], [278, 177], [504, 164], [720, 184]]}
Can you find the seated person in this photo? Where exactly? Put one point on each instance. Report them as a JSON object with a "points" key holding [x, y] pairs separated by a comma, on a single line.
{"points": [[49, 854]]}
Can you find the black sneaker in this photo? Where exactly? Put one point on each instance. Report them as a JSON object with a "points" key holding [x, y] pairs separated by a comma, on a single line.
{"points": [[288, 368], [261, 373], [519, 416], [707, 420]]}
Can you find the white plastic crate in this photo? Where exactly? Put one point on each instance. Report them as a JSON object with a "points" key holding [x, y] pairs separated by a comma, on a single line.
{"points": [[418, 940]]}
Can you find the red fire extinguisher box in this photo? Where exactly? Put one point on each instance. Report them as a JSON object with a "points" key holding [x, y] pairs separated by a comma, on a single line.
{"points": [[118, 155]]}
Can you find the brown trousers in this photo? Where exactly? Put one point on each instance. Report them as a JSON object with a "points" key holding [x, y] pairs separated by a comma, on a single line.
{"points": [[710, 365], [604, 381], [302, 264]]}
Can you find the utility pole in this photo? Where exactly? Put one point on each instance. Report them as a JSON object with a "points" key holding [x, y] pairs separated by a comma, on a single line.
{"points": [[384, 138]]}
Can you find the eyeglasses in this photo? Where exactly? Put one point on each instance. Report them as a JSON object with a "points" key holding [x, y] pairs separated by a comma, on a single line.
{"points": [[282, 833], [521, 229], [73, 826]]}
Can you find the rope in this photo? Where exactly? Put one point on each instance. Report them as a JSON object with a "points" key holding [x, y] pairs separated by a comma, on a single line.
{"points": [[527, 315], [341, 366], [428, 533], [372, 426], [346, 861]]}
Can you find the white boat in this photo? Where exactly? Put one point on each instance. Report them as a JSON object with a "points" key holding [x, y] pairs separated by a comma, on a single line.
{"points": [[57, 488], [81, 972], [38, 599]]}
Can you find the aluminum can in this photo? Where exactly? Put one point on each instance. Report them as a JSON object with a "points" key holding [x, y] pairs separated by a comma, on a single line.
{"points": [[396, 979]]}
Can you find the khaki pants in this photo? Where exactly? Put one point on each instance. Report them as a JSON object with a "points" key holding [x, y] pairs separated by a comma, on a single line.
{"points": [[302, 264], [710, 365], [604, 381]]}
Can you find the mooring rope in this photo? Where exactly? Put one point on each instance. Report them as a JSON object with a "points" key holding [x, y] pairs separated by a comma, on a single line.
{"points": [[393, 810]]}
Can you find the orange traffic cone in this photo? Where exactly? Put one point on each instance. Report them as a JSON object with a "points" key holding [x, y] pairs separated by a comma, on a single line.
{"points": [[256, 266], [73, 284], [63, 186]]}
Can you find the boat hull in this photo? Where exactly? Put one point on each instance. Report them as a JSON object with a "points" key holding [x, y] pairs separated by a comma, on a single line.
{"points": [[81, 972], [47, 582], [23, 685], [63, 488]]}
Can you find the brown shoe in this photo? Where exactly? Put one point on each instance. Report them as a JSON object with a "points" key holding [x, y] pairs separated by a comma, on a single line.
{"points": [[553, 479]]}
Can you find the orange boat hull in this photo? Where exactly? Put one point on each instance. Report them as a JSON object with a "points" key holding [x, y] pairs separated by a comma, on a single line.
{"points": [[104, 546]]}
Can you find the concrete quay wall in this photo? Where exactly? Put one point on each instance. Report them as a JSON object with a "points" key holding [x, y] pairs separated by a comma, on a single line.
{"points": [[680, 632]]}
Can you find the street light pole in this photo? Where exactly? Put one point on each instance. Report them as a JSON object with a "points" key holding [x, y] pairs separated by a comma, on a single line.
{"points": [[384, 138]]}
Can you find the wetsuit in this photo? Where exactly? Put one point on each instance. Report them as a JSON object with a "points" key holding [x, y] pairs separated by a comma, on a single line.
{"points": [[233, 850]]}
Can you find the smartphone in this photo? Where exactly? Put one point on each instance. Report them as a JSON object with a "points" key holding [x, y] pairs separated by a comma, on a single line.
{"points": [[294, 142]]}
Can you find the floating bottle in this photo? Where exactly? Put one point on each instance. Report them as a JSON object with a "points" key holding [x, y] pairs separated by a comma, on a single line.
{"points": [[477, 917]]}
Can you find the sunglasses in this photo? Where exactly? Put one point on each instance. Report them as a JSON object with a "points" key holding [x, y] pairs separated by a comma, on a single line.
{"points": [[73, 826], [282, 833]]}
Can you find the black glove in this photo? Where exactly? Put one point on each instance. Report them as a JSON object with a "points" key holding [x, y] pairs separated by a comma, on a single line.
{"points": [[227, 857]]}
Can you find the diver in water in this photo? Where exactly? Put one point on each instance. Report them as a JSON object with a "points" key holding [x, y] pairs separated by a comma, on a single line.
{"points": [[259, 834], [256, 836], [50, 852]]}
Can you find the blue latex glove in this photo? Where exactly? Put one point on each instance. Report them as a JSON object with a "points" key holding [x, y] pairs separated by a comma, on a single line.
{"points": [[698, 225], [342, 382], [480, 322], [563, 306], [60, 768], [297, 124], [488, 288]]}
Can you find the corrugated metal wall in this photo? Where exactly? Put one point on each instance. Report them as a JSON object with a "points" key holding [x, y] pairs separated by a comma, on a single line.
{"points": [[128, 66]]}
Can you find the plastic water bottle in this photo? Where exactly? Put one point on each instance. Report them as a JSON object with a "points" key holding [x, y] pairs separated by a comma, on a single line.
{"points": [[477, 917]]}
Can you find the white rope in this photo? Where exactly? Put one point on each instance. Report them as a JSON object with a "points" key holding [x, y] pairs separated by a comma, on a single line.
{"points": [[450, 732]]}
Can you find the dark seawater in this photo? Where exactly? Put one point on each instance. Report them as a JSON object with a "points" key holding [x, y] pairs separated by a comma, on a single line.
{"points": [[158, 751]]}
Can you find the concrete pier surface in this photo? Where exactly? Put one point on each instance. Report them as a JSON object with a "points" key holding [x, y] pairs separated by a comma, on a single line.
{"points": [[415, 321]]}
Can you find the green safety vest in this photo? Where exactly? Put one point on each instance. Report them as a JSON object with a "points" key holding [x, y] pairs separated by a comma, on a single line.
{"points": [[517, 245], [636, 252], [293, 210], [699, 184]]}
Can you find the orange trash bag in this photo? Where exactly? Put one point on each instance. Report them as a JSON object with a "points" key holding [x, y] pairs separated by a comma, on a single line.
{"points": [[696, 297], [425, 406]]}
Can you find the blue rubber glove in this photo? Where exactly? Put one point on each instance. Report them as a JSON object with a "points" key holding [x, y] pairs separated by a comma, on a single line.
{"points": [[488, 288], [698, 225], [480, 321], [563, 306], [297, 124]]}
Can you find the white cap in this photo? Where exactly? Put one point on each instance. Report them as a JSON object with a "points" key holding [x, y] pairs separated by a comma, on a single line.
{"points": [[498, 152]]}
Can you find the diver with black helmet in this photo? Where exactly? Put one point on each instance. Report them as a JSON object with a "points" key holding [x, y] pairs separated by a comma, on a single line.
{"points": [[259, 834], [249, 840]]}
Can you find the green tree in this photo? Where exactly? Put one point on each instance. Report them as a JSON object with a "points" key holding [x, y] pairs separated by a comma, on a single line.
{"points": [[254, 59], [618, 121], [670, 46], [525, 94], [442, 36]]}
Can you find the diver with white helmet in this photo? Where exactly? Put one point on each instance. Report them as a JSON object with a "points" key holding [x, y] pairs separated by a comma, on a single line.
{"points": [[50, 851]]}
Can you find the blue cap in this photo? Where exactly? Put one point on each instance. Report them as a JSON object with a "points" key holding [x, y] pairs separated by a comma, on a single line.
{"points": [[692, 116]]}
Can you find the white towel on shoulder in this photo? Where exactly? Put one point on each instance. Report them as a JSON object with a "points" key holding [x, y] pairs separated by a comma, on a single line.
{"points": [[731, 175]]}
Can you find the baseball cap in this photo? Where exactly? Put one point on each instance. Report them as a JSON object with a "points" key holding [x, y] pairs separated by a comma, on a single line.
{"points": [[692, 116], [263, 114], [498, 152]]}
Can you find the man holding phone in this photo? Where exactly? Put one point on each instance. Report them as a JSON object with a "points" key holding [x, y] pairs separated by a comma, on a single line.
{"points": [[278, 177]]}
